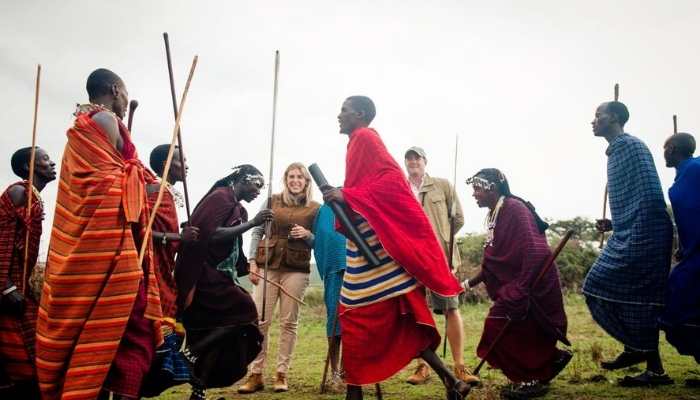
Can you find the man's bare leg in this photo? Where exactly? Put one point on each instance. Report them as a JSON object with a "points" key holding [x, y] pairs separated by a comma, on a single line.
{"points": [[353, 393], [456, 389]]}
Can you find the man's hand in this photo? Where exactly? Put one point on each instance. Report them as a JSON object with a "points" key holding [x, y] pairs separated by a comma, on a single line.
{"points": [[333, 194], [253, 267], [263, 216], [603, 225], [13, 303], [189, 234]]}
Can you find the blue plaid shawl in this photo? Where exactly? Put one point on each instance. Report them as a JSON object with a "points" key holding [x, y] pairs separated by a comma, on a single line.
{"points": [[634, 265]]}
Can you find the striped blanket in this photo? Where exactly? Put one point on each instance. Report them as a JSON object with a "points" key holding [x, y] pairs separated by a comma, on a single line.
{"points": [[365, 284], [92, 275], [17, 334]]}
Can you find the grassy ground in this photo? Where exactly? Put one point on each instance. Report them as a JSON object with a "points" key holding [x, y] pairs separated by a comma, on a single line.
{"points": [[582, 379]]}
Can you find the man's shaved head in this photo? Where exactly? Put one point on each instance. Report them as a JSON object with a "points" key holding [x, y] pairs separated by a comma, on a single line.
{"points": [[101, 81], [684, 143], [678, 148], [364, 105], [619, 110]]}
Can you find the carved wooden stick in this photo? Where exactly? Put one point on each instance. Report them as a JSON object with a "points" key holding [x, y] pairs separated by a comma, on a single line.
{"points": [[30, 186], [168, 161], [280, 287], [132, 109]]}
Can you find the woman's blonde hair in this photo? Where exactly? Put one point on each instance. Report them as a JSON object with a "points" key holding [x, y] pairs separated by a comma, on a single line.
{"points": [[304, 198]]}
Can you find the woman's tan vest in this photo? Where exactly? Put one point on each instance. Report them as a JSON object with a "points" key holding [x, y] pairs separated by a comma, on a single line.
{"points": [[285, 253]]}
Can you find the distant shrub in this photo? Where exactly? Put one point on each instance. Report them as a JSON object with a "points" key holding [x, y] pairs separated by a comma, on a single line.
{"points": [[574, 261]]}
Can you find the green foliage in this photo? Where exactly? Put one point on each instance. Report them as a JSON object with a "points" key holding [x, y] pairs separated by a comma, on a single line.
{"points": [[574, 261]]}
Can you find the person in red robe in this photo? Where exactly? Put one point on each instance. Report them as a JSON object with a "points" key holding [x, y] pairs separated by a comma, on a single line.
{"points": [[18, 307], [384, 315], [169, 367], [515, 252], [99, 317]]}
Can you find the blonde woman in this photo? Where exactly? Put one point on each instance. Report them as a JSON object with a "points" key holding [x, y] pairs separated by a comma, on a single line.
{"points": [[288, 260]]}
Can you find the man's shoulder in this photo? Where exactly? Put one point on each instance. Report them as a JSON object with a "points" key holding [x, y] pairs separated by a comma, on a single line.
{"points": [[439, 183], [17, 193]]}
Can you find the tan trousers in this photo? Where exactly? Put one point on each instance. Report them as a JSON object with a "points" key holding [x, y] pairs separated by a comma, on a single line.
{"points": [[296, 284]]}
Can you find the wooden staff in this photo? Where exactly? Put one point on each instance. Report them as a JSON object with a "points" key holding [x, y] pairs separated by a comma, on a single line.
{"points": [[675, 124], [280, 287], [30, 186], [605, 195], [453, 229], [330, 348], [268, 224], [181, 152], [132, 109], [547, 265], [168, 160]]}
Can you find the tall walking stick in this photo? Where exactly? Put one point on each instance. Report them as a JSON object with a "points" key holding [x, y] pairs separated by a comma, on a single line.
{"points": [[675, 124], [168, 161], [30, 186], [605, 195], [268, 224], [132, 109], [330, 348], [453, 229], [547, 265], [180, 152]]}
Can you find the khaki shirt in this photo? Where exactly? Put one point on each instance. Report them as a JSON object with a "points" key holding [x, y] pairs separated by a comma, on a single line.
{"points": [[436, 196]]}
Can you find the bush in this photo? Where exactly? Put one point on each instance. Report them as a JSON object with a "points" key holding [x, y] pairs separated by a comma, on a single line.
{"points": [[574, 261]]}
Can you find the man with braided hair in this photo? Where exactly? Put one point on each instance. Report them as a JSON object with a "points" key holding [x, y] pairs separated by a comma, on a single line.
{"points": [[515, 252], [219, 315]]}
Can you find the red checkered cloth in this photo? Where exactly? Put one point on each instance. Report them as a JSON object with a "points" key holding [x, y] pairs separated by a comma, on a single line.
{"points": [[17, 334]]}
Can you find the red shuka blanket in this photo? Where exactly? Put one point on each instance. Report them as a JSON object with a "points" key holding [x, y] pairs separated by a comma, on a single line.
{"points": [[17, 334], [376, 188]]}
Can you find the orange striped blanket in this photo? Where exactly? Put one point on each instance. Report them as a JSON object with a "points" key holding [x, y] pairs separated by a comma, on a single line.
{"points": [[92, 274]]}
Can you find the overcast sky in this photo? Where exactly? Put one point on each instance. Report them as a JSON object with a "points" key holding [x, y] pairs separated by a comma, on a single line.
{"points": [[517, 80]]}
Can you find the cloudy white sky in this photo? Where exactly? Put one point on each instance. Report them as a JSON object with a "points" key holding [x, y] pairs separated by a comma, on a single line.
{"points": [[517, 80]]}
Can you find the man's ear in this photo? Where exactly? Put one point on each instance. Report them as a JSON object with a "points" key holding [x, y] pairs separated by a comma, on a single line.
{"points": [[115, 90]]}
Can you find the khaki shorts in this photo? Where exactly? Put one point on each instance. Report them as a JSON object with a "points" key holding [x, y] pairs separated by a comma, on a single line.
{"points": [[440, 303]]}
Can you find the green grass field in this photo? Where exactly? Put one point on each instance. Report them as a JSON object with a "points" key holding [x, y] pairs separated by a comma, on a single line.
{"points": [[582, 379]]}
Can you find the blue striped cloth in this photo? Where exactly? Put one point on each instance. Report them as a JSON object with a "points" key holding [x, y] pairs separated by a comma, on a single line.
{"points": [[364, 283], [634, 265]]}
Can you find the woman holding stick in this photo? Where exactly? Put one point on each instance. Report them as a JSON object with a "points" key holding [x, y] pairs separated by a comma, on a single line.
{"points": [[288, 259], [219, 316], [514, 253]]}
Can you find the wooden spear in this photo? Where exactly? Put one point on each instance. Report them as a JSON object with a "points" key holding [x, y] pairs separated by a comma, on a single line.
{"points": [[181, 152], [280, 287], [605, 195], [675, 124], [168, 161], [268, 224], [30, 186], [132, 109]]}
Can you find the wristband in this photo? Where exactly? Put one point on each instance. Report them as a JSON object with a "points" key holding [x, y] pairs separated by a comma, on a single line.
{"points": [[9, 290]]}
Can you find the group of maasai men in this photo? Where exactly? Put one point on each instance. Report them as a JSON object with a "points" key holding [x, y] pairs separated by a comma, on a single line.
{"points": [[97, 323]]}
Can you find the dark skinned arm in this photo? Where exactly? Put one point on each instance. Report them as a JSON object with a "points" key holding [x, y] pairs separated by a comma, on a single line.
{"points": [[226, 234], [108, 123]]}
